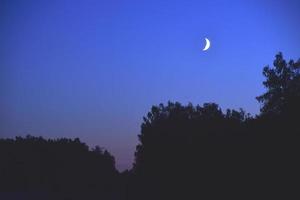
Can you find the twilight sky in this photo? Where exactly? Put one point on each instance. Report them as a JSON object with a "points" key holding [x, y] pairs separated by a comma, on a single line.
{"points": [[92, 69]]}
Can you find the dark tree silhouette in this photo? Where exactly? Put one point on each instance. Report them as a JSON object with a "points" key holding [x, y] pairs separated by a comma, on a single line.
{"points": [[280, 111], [184, 152], [36, 168], [189, 152], [187, 149], [283, 87]]}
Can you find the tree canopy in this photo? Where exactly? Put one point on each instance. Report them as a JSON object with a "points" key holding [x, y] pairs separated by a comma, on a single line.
{"points": [[185, 149], [184, 152], [56, 169], [283, 87]]}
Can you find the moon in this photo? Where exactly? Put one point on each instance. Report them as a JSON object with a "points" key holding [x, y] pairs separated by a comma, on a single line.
{"points": [[207, 45]]}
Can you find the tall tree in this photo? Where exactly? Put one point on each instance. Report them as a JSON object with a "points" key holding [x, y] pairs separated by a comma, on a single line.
{"points": [[283, 88]]}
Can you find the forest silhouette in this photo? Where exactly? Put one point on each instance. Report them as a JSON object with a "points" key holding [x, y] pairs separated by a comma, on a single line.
{"points": [[184, 152]]}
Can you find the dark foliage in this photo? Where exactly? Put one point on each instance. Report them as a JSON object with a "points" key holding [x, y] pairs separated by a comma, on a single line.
{"points": [[280, 111], [193, 152], [36, 168], [283, 84], [185, 152]]}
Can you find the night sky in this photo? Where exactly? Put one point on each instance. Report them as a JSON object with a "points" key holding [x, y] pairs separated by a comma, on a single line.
{"points": [[92, 69]]}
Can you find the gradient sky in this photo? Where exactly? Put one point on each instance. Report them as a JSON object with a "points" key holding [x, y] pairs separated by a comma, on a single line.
{"points": [[92, 69]]}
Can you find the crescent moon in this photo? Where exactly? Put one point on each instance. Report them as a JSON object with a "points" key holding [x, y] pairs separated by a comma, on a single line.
{"points": [[207, 45]]}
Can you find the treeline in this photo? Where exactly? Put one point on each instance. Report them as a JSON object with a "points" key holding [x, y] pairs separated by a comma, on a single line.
{"points": [[36, 168], [184, 152], [194, 152]]}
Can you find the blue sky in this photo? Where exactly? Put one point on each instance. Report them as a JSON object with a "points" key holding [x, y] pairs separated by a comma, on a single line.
{"points": [[92, 69]]}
